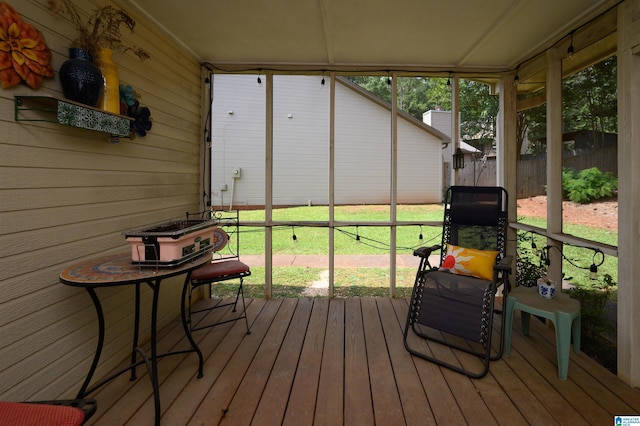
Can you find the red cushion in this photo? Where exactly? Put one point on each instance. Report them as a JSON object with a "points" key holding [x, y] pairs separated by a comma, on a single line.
{"points": [[219, 269], [23, 414]]}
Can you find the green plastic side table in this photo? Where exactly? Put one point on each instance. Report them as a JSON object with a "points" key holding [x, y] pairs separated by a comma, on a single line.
{"points": [[562, 310]]}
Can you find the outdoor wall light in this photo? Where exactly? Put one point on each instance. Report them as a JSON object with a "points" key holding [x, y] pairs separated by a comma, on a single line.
{"points": [[458, 159]]}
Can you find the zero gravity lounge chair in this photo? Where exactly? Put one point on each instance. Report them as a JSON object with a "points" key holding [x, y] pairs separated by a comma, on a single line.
{"points": [[454, 303]]}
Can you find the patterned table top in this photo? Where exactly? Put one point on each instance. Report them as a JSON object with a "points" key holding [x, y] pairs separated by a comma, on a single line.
{"points": [[117, 269]]}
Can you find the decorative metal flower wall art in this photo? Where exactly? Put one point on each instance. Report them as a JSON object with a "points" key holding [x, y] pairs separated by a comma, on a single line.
{"points": [[130, 106], [24, 55]]}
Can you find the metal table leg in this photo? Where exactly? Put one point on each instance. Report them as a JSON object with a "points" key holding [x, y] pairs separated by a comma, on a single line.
{"points": [[187, 330], [96, 302]]}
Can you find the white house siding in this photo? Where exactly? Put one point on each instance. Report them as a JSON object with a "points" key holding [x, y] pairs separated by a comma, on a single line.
{"points": [[363, 150], [419, 167], [300, 140], [238, 135], [301, 145], [67, 194]]}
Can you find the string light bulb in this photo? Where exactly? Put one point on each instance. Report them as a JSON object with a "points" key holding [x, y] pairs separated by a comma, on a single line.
{"points": [[449, 81], [357, 236], [294, 237], [571, 49], [323, 81], [259, 79], [420, 237], [593, 269], [593, 272]]}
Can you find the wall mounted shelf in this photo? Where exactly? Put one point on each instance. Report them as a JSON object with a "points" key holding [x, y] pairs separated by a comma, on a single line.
{"points": [[69, 113]]}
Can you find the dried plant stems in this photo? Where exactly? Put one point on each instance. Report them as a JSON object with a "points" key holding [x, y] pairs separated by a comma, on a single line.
{"points": [[101, 29]]}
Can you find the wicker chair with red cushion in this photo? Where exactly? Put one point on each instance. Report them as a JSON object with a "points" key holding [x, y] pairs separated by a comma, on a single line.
{"points": [[225, 266]]}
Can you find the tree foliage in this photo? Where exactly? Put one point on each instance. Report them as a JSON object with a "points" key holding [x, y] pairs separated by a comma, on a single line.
{"points": [[589, 103], [478, 114], [589, 100], [417, 95]]}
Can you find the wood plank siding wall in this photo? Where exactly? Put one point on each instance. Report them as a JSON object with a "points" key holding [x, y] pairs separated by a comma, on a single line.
{"points": [[69, 193]]}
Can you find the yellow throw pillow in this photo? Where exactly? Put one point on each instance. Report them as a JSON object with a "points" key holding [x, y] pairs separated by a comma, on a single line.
{"points": [[472, 262]]}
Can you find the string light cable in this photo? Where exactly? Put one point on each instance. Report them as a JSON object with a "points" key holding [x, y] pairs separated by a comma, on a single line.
{"points": [[356, 236], [597, 260]]}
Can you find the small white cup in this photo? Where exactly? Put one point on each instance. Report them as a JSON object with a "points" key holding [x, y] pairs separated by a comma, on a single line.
{"points": [[546, 289]]}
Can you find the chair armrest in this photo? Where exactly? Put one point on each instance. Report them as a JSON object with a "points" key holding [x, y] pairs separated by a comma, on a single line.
{"points": [[504, 264], [501, 272], [425, 252]]}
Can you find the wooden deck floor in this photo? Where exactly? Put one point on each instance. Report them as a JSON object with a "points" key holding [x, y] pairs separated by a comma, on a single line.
{"points": [[342, 361]]}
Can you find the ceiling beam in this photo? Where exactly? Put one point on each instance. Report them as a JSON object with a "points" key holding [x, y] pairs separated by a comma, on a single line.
{"points": [[529, 102], [326, 30], [592, 43]]}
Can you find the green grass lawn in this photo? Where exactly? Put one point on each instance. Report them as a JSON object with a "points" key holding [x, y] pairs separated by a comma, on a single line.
{"points": [[348, 282], [294, 281]]}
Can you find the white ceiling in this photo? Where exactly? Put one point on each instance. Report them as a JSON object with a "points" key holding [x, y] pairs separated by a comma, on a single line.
{"points": [[375, 35]]}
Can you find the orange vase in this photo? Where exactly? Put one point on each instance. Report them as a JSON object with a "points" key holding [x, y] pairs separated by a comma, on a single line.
{"points": [[110, 101]]}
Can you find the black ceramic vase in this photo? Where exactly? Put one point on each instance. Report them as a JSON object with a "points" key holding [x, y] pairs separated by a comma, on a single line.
{"points": [[80, 78]]}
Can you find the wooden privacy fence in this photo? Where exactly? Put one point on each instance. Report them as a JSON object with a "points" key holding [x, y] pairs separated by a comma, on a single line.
{"points": [[532, 169]]}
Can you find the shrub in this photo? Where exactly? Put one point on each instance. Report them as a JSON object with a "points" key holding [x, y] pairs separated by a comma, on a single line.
{"points": [[587, 185], [598, 331]]}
